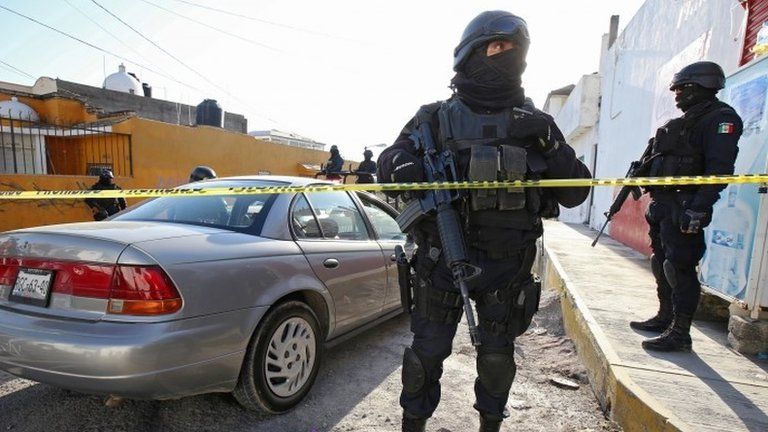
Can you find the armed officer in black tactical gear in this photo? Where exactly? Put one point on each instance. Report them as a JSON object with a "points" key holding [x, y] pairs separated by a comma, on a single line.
{"points": [[366, 169], [495, 133], [334, 165], [103, 208], [701, 142]]}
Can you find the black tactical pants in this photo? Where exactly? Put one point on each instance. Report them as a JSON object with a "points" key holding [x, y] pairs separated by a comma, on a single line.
{"points": [[679, 254], [499, 321]]}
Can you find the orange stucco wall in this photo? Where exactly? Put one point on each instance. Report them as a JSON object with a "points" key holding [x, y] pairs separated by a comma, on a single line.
{"points": [[56, 110], [162, 156]]}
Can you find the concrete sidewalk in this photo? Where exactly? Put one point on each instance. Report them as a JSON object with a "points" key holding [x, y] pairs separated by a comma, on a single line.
{"points": [[604, 288]]}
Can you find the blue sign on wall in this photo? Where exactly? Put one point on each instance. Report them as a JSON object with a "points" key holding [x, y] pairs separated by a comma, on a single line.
{"points": [[731, 235]]}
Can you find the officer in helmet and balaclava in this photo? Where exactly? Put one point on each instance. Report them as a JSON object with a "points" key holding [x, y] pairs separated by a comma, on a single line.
{"points": [[201, 172], [367, 168], [494, 133], [701, 142], [334, 164], [103, 208]]}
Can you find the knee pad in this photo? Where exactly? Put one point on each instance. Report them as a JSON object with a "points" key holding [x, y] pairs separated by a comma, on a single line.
{"points": [[496, 371], [414, 375], [671, 273]]}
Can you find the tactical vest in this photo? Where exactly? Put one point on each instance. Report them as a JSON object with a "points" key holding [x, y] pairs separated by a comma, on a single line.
{"points": [[484, 152], [673, 150]]}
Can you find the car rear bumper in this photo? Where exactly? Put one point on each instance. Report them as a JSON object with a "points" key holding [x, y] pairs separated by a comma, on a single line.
{"points": [[136, 360]]}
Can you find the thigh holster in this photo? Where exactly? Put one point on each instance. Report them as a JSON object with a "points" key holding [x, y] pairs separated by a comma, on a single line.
{"points": [[522, 302], [444, 307]]}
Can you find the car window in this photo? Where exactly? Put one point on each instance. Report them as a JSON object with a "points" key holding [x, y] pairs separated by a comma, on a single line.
{"points": [[338, 216], [303, 220], [385, 225], [239, 212]]}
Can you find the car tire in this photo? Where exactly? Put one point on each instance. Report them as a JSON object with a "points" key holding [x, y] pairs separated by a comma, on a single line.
{"points": [[286, 342]]}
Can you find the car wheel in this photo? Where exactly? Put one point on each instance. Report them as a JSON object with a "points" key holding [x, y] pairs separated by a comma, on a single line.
{"points": [[282, 360]]}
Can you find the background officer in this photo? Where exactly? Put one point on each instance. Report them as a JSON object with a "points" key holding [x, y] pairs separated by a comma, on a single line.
{"points": [[487, 115], [102, 208], [201, 172], [366, 169], [334, 164], [703, 141]]}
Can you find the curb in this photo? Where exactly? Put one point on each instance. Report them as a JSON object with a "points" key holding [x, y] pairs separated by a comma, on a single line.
{"points": [[619, 396]]}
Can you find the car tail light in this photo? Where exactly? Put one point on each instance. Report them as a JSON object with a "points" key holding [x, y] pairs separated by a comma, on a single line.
{"points": [[142, 290], [8, 271], [130, 290]]}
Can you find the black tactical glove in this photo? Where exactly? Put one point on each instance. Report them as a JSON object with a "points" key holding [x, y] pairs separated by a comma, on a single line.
{"points": [[691, 222], [406, 168], [536, 126]]}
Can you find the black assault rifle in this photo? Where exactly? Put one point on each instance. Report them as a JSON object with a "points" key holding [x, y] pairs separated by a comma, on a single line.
{"points": [[439, 166], [638, 168]]}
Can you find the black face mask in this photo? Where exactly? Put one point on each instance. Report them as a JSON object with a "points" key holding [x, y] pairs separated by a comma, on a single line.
{"points": [[491, 82], [693, 95]]}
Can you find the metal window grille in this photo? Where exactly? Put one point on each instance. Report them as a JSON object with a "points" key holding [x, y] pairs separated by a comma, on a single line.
{"points": [[34, 147]]}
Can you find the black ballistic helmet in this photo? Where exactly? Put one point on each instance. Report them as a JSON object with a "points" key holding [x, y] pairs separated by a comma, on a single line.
{"points": [[488, 26], [106, 175], [704, 73], [202, 172]]}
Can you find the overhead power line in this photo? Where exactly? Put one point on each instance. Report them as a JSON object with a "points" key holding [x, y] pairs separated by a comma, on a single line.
{"points": [[178, 60], [228, 33], [17, 70], [263, 21], [100, 49], [122, 42]]}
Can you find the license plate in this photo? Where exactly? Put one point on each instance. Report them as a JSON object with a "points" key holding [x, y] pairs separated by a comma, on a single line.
{"points": [[32, 287]]}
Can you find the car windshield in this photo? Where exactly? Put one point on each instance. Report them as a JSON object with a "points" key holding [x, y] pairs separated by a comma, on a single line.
{"points": [[236, 212]]}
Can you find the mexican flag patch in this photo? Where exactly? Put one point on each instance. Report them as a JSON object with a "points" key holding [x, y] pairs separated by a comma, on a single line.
{"points": [[725, 128]]}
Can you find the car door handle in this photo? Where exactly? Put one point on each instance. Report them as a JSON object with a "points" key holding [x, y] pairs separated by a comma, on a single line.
{"points": [[331, 263]]}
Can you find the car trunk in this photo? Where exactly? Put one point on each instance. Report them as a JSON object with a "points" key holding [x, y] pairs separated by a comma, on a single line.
{"points": [[74, 270]]}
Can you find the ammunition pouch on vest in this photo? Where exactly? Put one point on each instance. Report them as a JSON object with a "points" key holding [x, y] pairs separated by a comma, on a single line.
{"points": [[484, 151], [674, 150]]}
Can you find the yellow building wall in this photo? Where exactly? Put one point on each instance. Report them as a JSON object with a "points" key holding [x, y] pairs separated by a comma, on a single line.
{"points": [[55, 110], [163, 155]]}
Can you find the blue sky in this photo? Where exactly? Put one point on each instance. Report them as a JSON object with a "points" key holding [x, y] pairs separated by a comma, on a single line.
{"points": [[349, 73]]}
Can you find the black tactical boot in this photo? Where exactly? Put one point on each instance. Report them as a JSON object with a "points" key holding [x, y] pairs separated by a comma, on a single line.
{"points": [[676, 338], [490, 423], [663, 318], [658, 323], [412, 423]]}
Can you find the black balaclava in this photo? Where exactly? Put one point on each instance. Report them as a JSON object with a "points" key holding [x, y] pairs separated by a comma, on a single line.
{"points": [[491, 82], [693, 94]]}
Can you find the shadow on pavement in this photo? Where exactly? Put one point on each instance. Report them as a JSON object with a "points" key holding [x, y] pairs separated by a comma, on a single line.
{"points": [[752, 416], [349, 373]]}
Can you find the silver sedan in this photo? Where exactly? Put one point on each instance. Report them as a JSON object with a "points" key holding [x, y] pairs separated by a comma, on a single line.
{"points": [[181, 296]]}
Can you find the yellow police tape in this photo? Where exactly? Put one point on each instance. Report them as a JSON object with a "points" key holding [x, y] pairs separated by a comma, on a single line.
{"points": [[387, 187]]}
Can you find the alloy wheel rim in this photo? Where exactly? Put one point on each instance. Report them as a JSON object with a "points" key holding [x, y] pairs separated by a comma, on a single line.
{"points": [[290, 357]]}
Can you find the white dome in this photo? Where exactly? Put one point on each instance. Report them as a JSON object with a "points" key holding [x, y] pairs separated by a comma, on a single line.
{"points": [[17, 110], [122, 82]]}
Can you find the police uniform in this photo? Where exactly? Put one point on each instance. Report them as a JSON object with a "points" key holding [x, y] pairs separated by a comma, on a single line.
{"points": [[366, 169], [701, 142], [105, 207], [334, 165], [491, 140]]}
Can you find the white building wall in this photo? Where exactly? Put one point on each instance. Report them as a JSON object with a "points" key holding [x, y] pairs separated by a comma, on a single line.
{"points": [[577, 119], [662, 37]]}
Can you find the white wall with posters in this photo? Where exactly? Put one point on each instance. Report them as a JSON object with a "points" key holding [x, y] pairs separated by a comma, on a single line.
{"points": [[735, 239], [661, 38]]}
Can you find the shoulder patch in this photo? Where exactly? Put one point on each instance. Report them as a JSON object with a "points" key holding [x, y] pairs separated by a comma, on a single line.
{"points": [[725, 128]]}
